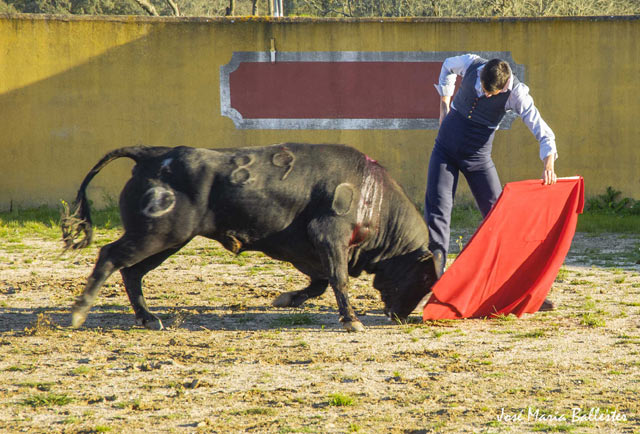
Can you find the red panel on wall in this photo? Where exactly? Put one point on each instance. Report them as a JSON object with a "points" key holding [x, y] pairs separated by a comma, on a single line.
{"points": [[335, 90]]}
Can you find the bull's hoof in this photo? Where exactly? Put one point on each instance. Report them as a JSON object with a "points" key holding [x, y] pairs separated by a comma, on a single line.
{"points": [[285, 300], [154, 325], [78, 317], [150, 324], [353, 326]]}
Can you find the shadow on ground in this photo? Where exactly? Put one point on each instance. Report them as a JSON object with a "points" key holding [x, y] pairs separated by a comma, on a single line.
{"points": [[192, 318]]}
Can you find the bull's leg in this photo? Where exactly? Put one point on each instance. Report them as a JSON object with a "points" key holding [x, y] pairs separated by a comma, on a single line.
{"points": [[339, 281], [124, 252], [295, 298], [101, 271], [132, 278], [332, 246]]}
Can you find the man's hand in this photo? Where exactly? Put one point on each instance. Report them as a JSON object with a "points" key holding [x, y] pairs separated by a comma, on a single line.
{"points": [[445, 102], [549, 174]]}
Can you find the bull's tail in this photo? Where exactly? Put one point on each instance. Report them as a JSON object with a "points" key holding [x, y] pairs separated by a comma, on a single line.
{"points": [[77, 231]]}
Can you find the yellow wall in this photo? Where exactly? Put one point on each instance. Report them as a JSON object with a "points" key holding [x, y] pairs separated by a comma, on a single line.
{"points": [[72, 89]]}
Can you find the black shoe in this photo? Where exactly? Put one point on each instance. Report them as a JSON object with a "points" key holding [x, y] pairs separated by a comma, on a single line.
{"points": [[547, 305], [439, 261]]}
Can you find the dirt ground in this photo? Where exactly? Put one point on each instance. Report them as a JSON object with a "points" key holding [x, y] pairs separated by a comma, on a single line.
{"points": [[230, 362]]}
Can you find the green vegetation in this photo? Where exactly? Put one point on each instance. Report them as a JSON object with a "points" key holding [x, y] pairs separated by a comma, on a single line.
{"points": [[81, 370], [563, 275], [41, 221], [294, 319], [597, 222], [340, 400], [134, 404], [612, 202], [47, 400], [505, 318], [255, 411], [533, 334], [592, 320], [45, 222], [610, 212], [543, 427], [20, 368], [465, 215]]}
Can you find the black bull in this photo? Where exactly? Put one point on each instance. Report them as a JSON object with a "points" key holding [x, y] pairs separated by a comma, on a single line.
{"points": [[327, 209]]}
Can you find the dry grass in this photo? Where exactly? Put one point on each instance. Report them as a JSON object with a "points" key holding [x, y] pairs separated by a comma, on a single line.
{"points": [[229, 362]]}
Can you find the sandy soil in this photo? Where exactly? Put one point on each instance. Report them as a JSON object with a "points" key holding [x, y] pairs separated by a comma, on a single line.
{"points": [[229, 362]]}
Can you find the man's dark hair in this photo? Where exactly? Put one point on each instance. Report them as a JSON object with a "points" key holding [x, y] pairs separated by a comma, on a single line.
{"points": [[495, 75]]}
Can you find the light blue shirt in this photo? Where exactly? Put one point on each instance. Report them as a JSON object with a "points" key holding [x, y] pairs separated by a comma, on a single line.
{"points": [[519, 100]]}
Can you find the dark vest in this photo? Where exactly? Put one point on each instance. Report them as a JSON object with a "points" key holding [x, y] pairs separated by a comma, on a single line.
{"points": [[485, 111]]}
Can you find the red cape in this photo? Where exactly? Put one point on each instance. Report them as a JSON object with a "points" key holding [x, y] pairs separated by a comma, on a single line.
{"points": [[511, 261]]}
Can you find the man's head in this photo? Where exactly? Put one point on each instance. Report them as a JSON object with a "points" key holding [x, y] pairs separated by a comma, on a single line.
{"points": [[495, 76]]}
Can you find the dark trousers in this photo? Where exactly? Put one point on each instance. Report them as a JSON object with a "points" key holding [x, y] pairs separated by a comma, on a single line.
{"points": [[461, 146]]}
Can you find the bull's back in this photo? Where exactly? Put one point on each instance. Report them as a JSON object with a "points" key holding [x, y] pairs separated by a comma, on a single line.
{"points": [[267, 188]]}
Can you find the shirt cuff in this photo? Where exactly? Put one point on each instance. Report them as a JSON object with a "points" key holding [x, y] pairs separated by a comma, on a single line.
{"points": [[445, 90], [546, 151]]}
